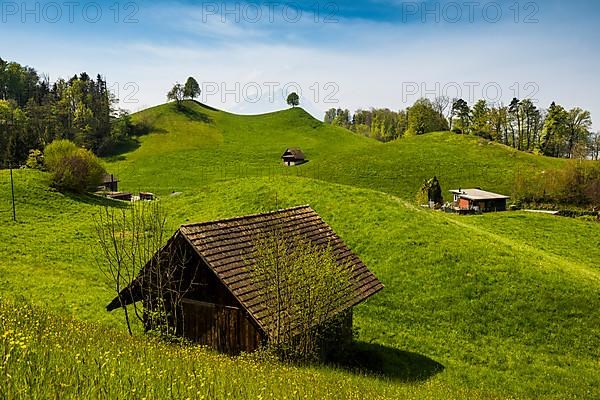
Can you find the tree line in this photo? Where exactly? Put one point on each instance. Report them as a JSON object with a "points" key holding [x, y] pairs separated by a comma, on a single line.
{"points": [[35, 112], [555, 132]]}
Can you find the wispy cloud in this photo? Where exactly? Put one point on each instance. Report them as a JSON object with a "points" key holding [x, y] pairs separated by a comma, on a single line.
{"points": [[371, 59]]}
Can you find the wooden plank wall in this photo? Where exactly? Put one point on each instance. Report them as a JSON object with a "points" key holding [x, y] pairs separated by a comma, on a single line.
{"points": [[221, 328]]}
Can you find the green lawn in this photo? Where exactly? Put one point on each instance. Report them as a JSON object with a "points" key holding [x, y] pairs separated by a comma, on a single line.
{"points": [[475, 307]]}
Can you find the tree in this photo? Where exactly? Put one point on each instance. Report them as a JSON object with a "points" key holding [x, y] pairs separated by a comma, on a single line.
{"points": [[330, 116], [595, 146], [514, 116], [35, 160], [441, 105], [554, 131], [498, 124], [130, 239], [431, 192], [384, 124], [435, 192], [121, 130], [578, 125], [191, 89], [15, 141], [293, 99], [176, 94], [531, 125], [72, 168], [480, 116], [79, 109], [423, 118], [305, 285], [342, 118], [461, 110]]}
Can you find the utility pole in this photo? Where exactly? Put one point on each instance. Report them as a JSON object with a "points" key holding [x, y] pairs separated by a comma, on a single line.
{"points": [[12, 190], [12, 185]]}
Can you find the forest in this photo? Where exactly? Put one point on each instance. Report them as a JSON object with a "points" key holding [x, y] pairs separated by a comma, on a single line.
{"points": [[554, 132], [34, 112]]}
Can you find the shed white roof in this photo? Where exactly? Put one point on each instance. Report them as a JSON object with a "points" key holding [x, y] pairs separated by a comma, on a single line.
{"points": [[478, 194]]}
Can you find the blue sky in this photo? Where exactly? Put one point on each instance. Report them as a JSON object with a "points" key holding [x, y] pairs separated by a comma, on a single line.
{"points": [[382, 53]]}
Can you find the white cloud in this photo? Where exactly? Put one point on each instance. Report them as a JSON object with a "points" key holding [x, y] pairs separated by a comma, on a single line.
{"points": [[371, 63]]}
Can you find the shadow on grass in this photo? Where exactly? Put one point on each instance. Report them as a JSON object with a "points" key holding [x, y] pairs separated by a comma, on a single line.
{"points": [[206, 106], [193, 114], [116, 154], [94, 200], [389, 362]]}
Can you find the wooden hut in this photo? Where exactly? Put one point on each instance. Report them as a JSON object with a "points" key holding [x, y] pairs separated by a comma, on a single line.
{"points": [[146, 196], [478, 200], [223, 308], [109, 183], [293, 156]]}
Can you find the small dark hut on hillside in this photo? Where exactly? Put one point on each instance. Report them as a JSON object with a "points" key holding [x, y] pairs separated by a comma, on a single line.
{"points": [[109, 183], [293, 156], [223, 307], [478, 200]]}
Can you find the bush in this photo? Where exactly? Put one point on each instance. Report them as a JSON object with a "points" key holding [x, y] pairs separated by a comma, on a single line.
{"points": [[35, 159], [305, 285], [578, 214], [577, 183], [485, 135], [72, 168]]}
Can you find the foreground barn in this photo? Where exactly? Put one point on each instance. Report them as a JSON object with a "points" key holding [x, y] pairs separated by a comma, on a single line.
{"points": [[222, 307]]}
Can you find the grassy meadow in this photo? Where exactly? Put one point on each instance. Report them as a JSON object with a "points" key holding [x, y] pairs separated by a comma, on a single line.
{"points": [[200, 145], [493, 306]]}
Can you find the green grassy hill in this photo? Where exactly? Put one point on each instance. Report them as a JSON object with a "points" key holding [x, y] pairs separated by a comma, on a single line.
{"points": [[493, 306], [200, 145]]}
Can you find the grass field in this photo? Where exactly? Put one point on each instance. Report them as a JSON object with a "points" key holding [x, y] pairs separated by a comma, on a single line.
{"points": [[493, 306], [203, 145]]}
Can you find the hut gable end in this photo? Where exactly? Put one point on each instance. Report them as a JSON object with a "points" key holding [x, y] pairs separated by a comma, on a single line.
{"points": [[293, 156]]}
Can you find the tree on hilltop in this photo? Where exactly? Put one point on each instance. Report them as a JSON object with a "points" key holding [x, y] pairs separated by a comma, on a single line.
{"points": [[176, 94], [191, 89], [293, 99]]}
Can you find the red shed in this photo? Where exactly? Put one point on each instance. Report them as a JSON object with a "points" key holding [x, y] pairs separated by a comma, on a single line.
{"points": [[479, 200]]}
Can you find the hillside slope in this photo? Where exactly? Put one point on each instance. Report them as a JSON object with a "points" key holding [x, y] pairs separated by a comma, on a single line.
{"points": [[199, 145], [501, 312]]}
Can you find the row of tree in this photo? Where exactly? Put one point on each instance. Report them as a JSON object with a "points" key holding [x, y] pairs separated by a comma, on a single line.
{"points": [[555, 132], [575, 183], [385, 125], [34, 112]]}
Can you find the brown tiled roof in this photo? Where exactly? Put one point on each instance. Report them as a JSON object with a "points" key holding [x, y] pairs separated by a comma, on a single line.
{"points": [[227, 247], [295, 152]]}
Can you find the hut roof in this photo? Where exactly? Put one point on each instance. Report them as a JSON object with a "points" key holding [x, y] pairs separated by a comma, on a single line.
{"points": [[295, 152], [227, 248], [478, 194]]}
